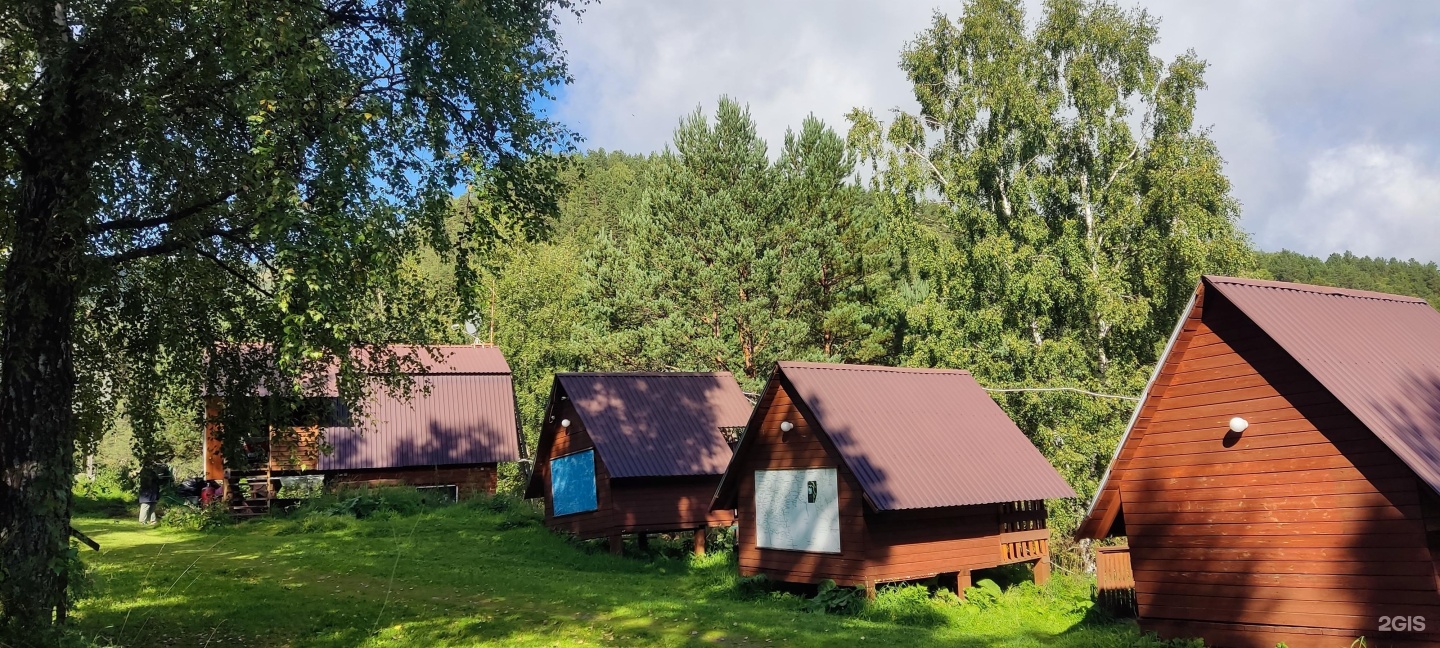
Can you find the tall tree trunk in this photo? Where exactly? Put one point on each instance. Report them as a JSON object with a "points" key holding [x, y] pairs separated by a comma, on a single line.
{"points": [[37, 388], [37, 371]]}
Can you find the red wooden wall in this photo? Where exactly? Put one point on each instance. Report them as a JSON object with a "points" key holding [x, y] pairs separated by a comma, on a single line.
{"points": [[798, 448], [470, 481], [591, 524], [1304, 529]]}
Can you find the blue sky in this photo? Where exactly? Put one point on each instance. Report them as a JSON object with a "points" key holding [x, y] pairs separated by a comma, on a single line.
{"points": [[1325, 111]]}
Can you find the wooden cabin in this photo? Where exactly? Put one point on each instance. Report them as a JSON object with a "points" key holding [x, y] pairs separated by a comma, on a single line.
{"points": [[1277, 482], [448, 436], [636, 453], [864, 475]]}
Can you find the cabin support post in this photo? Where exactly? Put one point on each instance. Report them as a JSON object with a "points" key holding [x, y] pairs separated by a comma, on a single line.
{"points": [[1042, 570], [955, 581], [700, 541], [617, 544], [642, 540], [869, 586]]}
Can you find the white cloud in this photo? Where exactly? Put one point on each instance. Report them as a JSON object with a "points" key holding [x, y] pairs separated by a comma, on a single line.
{"points": [[640, 67], [1293, 85], [1370, 199]]}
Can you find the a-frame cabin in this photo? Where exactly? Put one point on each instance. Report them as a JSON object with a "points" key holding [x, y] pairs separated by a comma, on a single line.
{"points": [[866, 475], [1277, 482], [636, 453]]}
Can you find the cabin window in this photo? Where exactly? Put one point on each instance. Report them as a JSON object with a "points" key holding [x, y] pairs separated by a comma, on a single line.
{"points": [[798, 510], [572, 483], [445, 493]]}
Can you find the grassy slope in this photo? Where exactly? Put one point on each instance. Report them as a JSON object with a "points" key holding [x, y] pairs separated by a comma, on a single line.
{"points": [[464, 576]]}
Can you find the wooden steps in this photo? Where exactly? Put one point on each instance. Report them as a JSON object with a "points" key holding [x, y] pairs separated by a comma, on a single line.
{"points": [[248, 508]]}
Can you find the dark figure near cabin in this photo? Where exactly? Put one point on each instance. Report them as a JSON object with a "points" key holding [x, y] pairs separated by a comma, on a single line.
{"points": [[149, 494]]}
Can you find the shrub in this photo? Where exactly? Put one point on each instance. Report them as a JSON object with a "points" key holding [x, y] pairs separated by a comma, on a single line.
{"points": [[100, 497], [514, 513], [833, 599], [363, 501], [946, 597], [984, 595], [905, 605], [749, 588], [193, 518]]}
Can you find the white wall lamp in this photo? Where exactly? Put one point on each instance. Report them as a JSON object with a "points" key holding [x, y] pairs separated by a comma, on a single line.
{"points": [[565, 423], [786, 426]]}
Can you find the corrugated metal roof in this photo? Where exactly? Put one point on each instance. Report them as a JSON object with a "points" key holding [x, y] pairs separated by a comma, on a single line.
{"points": [[658, 424], [923, 438], [465, 418], [438, 359], [1378, 354], [456, 358]]}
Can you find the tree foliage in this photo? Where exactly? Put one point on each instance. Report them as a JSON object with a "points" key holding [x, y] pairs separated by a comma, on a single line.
{"points": [[220, 195], [1358, 272], [730, 261], [1080, 204]]}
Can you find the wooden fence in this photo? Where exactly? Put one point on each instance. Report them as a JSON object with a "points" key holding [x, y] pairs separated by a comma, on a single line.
{"points": [[1114, 580]]}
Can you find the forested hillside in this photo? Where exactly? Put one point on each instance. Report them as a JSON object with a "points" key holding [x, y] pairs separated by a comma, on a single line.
{"points": [[1040, 222], [1363, 273]]}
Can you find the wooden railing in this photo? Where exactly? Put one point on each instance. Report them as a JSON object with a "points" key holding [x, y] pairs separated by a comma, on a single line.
{"points": [[1022, 516], [1023, 533], [1013, 550]]}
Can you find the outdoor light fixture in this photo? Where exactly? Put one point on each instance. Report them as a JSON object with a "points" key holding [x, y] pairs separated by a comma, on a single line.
{"points": [[786, 426], [1238, 425], [565, 423]]}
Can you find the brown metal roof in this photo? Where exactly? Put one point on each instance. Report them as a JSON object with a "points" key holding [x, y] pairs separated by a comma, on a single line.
{"points": [[921, 438], [1378, 354], [456, 358], [658, 424], [467, 416], [437, 359]]}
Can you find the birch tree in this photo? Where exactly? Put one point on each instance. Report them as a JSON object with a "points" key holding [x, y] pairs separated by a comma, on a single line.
{"points": [[1079, 199], [179, 179]]}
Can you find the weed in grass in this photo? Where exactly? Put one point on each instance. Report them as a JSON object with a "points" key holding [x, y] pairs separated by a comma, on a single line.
{"points": [[909, 605], [195, 518], [832, 599], [984, 594]]}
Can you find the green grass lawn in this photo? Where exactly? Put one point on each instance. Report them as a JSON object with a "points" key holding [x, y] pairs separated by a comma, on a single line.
{"points": [[468, 575]]}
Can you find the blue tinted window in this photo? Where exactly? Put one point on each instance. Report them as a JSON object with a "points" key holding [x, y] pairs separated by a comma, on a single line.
{"points": [[572, 483]]}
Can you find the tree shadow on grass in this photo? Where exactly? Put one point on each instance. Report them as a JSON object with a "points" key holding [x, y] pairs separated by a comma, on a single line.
{"points": [[456, 581]]}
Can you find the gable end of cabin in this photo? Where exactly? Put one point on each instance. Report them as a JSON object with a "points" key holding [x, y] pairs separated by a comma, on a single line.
{"points": [[1302, 525]]}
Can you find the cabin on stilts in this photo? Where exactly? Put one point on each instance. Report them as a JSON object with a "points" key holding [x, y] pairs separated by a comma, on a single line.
{"points": [[447, 436], [865, 475], [1278, 480], [636, 453]]}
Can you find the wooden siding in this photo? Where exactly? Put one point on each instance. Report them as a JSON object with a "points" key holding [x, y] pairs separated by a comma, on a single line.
{"points": [[876, 546], [591, 524], [214, 453], [666, 504], [469, 481], [294, 449], [906, 545], [801, 447], [1304, 529]]}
